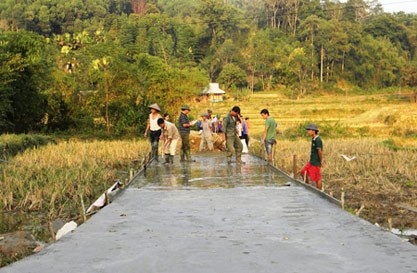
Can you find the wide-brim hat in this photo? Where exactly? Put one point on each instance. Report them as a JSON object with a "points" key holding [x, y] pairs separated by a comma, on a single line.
{"points": [[154, 106], [312, 127], [185, 107], [204, 115]]}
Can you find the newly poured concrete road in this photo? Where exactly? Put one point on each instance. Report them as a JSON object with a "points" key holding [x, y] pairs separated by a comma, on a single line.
{"points": [[210, 217]]}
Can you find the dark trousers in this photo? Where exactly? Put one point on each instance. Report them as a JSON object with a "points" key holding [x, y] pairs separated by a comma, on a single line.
{"points": [[185, 141], [154, 138], [246, 138]]}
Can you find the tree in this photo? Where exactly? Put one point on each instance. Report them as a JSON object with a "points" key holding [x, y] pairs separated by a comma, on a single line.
{"points": [[377, 63], [25, 70], [333, 43], [103, 64], [297, 63], [386, 25], [310, 29], [232, 75]]}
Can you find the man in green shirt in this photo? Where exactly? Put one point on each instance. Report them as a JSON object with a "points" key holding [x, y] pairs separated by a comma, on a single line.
{"points": [[268, 136], [233, 143]]}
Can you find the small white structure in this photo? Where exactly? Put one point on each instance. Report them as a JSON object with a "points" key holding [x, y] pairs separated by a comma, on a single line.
{"points": [[212, 93]]}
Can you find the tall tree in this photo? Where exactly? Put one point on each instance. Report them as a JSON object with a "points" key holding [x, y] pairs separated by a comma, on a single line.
{"points": [[25, 69]]}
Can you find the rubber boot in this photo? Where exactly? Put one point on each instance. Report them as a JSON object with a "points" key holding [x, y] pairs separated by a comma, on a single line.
{"points": [[171, 159], [154, 146], [182, 156], [239, 160], [188, 155], [166, 158]]}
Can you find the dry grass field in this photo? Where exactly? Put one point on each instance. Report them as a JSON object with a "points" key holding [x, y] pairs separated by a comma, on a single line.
{"points": [[51, 180], [380, 130]]}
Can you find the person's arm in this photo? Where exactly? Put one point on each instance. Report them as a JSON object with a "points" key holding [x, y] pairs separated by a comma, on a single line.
{"points": [[264, 135], [320, 153], [185, 124], [224, 127], [167, 142], [147, 127], [168, 137], [265, 132]]}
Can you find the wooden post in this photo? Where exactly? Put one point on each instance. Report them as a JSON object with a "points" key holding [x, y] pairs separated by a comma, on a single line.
{"points": [[83, 208], [107, 196], [360, 210], [131, 174], [342, 199], [294, 166]]}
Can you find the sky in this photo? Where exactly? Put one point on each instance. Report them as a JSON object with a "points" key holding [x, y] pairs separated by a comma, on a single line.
{"points": [[407, 6]]}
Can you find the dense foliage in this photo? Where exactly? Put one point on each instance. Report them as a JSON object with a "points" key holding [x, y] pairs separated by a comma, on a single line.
{"points": [[11, 145], [96, 63]]}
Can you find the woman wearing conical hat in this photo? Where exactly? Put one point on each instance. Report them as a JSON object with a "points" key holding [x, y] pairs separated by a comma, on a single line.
{"points": [[154, 129]]}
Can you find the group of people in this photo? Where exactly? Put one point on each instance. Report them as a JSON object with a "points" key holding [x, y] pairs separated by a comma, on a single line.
{"points": [[235, 135], [162, 128]]}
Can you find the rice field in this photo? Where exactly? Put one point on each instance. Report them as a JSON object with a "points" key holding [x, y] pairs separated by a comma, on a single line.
{"points": [[53, 179], [380, 130], [374, 115]]}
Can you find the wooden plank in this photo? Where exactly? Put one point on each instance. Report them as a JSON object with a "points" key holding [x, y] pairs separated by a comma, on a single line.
{"points": [[407, 207]]}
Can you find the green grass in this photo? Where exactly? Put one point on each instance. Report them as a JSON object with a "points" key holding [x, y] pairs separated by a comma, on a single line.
{"points": [[11, 144]]}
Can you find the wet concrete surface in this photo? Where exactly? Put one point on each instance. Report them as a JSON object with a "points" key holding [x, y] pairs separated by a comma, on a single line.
{"points": [[210, 170], [208, 216]]}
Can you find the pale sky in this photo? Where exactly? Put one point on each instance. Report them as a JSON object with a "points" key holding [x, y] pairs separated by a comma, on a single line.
{"points": [[407, 6]]}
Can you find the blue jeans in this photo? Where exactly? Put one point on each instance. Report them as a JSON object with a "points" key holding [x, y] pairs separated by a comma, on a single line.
{"points": [[268, 145]]}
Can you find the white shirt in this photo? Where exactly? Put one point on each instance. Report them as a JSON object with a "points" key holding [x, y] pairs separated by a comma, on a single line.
{"points": [[154, 123]]}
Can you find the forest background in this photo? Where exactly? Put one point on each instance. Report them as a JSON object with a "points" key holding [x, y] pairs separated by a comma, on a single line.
{"points": [[94, 65]]}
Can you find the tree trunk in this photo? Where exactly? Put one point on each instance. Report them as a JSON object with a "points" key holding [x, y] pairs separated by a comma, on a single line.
{"points": [[296, 5], [321, 63], [312, 55], [139, 7], [107, 100]]}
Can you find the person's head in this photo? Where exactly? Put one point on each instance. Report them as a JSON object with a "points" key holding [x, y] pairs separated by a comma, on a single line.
{"points": [[312, 129], [161, 122], [154, 108], [166, 116], [264, 113], [209, 112], [246, 118], [235, 111], [185, 109], [204, 116]]}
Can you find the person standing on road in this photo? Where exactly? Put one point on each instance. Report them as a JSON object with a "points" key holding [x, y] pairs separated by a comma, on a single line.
{"points": [[312, 168], [233, 143], [155, 130], [206, 134], [246, 130], [185, 129], [170, 135], [269, 134]]}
